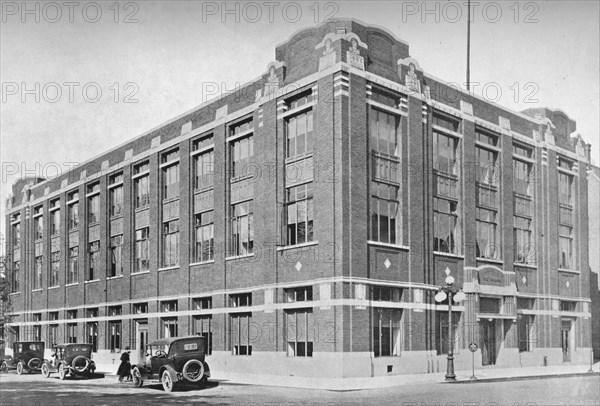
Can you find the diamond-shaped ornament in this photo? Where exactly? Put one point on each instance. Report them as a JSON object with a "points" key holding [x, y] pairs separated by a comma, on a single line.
{"points": [[387, 263], [568, 284], [298, 266], [524, 279]]}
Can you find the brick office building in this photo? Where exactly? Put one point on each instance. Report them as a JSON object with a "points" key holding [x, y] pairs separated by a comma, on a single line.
{"points": [[304, 223]]}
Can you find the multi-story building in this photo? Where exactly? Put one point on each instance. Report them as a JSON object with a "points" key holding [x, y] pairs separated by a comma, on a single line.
{"points": [[305, 222]]}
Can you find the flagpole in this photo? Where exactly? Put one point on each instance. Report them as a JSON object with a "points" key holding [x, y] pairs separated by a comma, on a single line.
{"points": [[469, 45]]}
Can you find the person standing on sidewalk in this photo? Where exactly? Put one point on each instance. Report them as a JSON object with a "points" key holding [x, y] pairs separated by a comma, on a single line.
{"points": [[125, 366]]}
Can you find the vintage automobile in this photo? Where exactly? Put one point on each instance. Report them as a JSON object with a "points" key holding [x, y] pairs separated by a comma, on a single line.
{"points": [[27, 357], [173, 360], [70, 359]]}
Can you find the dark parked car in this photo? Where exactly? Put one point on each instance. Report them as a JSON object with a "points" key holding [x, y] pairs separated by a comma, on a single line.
{"points": [[27, 357], [70, 359], [173, 360]]}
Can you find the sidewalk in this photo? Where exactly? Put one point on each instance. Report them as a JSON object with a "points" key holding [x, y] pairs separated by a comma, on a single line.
{"points": [[342, 384]]}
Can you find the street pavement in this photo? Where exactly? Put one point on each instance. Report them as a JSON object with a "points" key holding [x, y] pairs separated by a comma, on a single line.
{"points": [[35, 390]]}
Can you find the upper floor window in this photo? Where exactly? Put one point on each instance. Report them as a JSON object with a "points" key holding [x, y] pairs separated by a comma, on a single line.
{"points": [[523, 151], [116, 195], [202, 303], [170, 175], [168, 306], [242, 152], [73, 214], [299, 202], [445, 153], [385, 98], [300, 101], [386, 294], [383, 132], [487, 166], [38, 223], [240, 300], [93, 203], [242, 228], [299, 134], [565, 188], [445, 122], [141, 185], [302, 294], [204, 168], [140, 308], [16, 235], [203, 143], [55, 217], [240, 128], [170, 255], [565, 164]]}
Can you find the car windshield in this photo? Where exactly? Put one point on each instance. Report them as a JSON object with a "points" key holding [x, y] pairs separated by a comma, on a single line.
{"points": [[155, 350]]}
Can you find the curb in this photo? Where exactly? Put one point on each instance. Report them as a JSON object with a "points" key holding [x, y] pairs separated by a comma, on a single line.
{"points": [[523, 378]]}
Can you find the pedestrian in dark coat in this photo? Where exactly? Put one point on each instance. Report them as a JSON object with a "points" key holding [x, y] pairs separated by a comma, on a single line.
{"points": [[125, 366]]}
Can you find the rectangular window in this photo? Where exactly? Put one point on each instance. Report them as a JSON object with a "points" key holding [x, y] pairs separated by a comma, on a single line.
{"points": [[37, 328], [242, 229], [568, 306], [303, 294], [565, 189], [387, 332], [445, 122], [242, 152], [170, 182], [54, 335], [487, 166], [386, 219], [524, 247], [204, 168], [16, 234], [94, 260], [203, 143], [299, 210], [72, 332], [299, 134], [384, 133], [241, 127], [140, 308], [446, 232], [73, 213], [91, 334], [142, 250], [204, 249], [116, 201], [565, 247], [93, 209], [116, 256], [203, 327], [445, 153], [170, 252], [73, 265], [55, 220], [114, 336], [487, 234], [386, 294], [522, 177], [142, 191], [168, 306], [240, 333], [37, 277], [39, 227], [383, 97], [54, 269], [168, 327], [299, 100], [299, 332], [16, 277]]}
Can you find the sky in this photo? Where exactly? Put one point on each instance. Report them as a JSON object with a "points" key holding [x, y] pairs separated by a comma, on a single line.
{"points": [[80, 79]]}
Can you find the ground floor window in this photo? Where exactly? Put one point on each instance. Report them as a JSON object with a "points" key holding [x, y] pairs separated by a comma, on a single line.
{"points": [[387, 332], [168, 327], [526, 330], [299, 332], [240, 333], [91, 333], [114, 336], [442, 332], [53, 334], [72, 333], [203, 327]]}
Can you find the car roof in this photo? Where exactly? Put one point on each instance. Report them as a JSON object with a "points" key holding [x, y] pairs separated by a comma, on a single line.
{"points": [[65, 345], [29, 342], [170, 340]]}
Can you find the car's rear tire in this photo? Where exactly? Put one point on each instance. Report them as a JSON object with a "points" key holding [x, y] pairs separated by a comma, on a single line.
{"points": [[20, 368], [34, 363], [136, 377], [4, 367], [62, 371], [77, 360], [167, 382], [191, 376], [45, 370]]}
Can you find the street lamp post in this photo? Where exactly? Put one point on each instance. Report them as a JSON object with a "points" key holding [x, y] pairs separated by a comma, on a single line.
{"points": [[458, 296]]}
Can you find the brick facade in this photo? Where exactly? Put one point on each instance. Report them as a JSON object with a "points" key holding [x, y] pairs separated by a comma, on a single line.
{"points": [[354, 328]]}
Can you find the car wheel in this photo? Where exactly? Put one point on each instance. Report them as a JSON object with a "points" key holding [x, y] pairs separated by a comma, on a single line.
{"points": [[4, 367], [20, 368], [45, 370], [167, 382], [136, 377], [62, 371]]}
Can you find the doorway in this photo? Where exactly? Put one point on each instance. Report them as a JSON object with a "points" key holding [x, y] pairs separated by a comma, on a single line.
{"points": [[487, 331], [141, 337], [565, 338]]}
